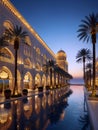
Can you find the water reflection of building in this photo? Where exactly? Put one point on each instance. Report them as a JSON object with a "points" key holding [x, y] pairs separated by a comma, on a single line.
{"points": [[37, 113], [31, 56]]}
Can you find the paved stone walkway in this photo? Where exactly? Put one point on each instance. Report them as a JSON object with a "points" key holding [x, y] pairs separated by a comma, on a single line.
{"points": [[92, 105], [93, 113]]}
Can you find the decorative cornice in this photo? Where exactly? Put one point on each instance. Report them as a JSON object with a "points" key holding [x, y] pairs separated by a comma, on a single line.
{"points": [[11, 7]]}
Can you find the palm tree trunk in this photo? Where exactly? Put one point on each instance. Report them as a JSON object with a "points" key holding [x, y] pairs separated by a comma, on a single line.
{"points": [[94, 60], [84, 69], [15, 85], [58, 78], [90, 77], [50, 76]]}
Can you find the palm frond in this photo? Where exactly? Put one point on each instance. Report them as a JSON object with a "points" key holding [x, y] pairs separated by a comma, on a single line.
{"points": [[83, 53], [3, 42], [86, 27]]}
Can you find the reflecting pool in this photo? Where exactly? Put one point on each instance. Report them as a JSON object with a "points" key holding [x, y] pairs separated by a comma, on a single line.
{"points": [[53, 110]]}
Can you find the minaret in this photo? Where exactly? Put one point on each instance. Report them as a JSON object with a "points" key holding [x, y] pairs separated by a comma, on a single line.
{"points": [[61, 60]]}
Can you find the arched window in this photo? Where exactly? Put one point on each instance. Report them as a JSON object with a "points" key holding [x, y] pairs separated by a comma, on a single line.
{"points": [[4, 52], [6, 55], [38, 54], [38, 51], [28, 41], [27, 62], [38, 68], [7, 24]]}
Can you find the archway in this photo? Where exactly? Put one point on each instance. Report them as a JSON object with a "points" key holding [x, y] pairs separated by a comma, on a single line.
{"points": [[43, 80], [6, 79], [28, 81], [37, 80]]}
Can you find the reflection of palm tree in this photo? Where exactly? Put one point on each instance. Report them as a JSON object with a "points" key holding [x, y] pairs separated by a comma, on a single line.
{"points": [[15, 34], [7, 105], [82, 56], [56, 109], [85, 122], [87, 31]]}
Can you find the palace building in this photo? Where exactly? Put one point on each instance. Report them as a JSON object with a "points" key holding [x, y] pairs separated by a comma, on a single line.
{"points": [[32, 56]]}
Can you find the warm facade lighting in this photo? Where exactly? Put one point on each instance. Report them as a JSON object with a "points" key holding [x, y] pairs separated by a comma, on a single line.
{"points": [[3, 75]]}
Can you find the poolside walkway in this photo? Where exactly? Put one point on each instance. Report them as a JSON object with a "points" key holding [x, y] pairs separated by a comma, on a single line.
{"points": [[92, 104]]}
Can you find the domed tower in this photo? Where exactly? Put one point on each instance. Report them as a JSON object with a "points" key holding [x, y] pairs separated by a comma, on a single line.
{"points": [[61, 60]]}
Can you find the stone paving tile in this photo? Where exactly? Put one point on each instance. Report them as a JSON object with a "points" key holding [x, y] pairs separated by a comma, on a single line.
{"points": [[93, 113], [92, 105]]}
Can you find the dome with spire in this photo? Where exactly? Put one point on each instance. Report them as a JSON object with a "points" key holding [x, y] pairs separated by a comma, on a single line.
{"points": [[61, 52]]}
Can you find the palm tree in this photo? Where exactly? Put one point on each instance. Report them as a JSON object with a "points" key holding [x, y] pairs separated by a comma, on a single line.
{"points": [[89, 70], [87, 31], [15, 34], [49, 67], [82, 56]]}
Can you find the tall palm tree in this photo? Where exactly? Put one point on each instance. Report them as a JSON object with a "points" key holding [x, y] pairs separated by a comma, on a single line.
{"points": [[83, 55], [15, 34], [51, 67], [48, 67], [89, 70], [87, 31]]}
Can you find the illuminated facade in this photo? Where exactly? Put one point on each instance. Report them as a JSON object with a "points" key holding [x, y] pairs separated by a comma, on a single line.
{"points": [[97, 72], [61, 60], [31, 56]]}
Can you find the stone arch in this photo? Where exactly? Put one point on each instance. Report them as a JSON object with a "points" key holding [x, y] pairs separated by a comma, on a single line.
{"points": [[27, 63], [37, 80], [37, 66], [6, 55], [28, 80], [28, 41], [38, 51], [43, 80], [6, 79], [38, 54], [7, 24]]}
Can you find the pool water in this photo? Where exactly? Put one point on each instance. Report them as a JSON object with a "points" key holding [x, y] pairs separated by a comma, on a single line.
{"points": [[49, 111], [75, 114]]}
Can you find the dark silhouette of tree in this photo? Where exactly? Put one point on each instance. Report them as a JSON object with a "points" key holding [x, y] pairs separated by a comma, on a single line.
{"points": [[83, 55], [87, 31], [16, 35], [84, 120], [48, 68], [3, 42], [89, 73]]}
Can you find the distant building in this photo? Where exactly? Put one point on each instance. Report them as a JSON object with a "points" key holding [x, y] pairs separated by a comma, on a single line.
{"points": [[61, 60], [31, 56]]}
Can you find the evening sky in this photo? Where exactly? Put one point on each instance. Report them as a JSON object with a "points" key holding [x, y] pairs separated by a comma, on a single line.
{"points": [[56, 22]]}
